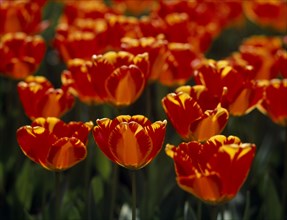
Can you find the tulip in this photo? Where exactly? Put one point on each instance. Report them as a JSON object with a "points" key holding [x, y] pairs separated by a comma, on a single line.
{"points": [[117, 78], [53, 144], [181, 62], [82, 39], [22, 16], [130, 141], [267, 13], [274, 103], [47, 101], [156, 47], [194, 113], [231, 83], [21, 54], [134, 7], [120, 26], [213, 171], [260, 52]]}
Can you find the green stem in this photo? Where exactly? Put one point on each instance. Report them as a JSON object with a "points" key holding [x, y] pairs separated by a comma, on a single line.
{"points": [[57, 195], [114, 190], [284, 188], [214, 212], [199, 209], [89, 166], [247, 205], [134, 196], [222, 212]]}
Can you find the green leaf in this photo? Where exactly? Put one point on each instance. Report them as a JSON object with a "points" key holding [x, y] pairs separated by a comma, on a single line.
{"points": [[271, 208], [24, 185], [98, 188], [103, 164]]}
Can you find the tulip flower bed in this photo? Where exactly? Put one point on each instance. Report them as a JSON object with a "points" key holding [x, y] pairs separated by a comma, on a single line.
{"points": [[143, 109]]}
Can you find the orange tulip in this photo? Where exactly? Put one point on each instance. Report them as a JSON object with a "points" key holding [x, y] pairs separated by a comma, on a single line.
{"points": [[81, 40], [21, 54], [195, 113], [231, 83], [180, 64], [202, 12], [212, 171], [178, 28], [134, 7], [74, 9], [197, 22], [22, 16], [260, 52], [282, 62], [130, 141], [156, 47], [275, 100], [115, 77], [267, 13], [119, 26], [54, 144], [151, 26], [46, 101]]}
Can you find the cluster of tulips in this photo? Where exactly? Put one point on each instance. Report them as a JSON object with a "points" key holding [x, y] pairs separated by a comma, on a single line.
{"points": [[113, 53]]}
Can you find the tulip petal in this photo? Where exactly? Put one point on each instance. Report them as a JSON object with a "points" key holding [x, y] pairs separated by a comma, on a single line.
{"points": [[79, 130], [207, 188], [230, 158], [125, 85], [156, 132], [78, 77], [101, 135], [211, 123], [65, 153], [50, 124], [142, 120], [186, 158], [35, 142], [181, 110], [142, 62], [130, 145], [275, 104]]}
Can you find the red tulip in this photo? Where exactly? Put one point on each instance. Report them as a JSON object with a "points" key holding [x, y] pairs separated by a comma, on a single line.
{"points": [[260, 52], [267, 13], [195, 113], [22, 16], [275, 100], [156, 49], [54, 144], [181, 62], [46, 101], [84, 10], [115, 77], [130, 141], [135, 7], [212, 171], [81, 40], [21, 54], [119, 26], [231, 83]]}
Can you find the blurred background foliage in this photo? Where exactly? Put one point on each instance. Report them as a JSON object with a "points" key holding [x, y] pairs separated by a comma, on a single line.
{"points": [[27, 191]]}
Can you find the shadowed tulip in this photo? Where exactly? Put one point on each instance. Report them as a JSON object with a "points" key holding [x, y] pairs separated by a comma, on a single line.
{"points": [[47, 101], [130, 141], [117, 78], [54, 144], [213, 171], [195, 113], [275, 100], [21, 54]]}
